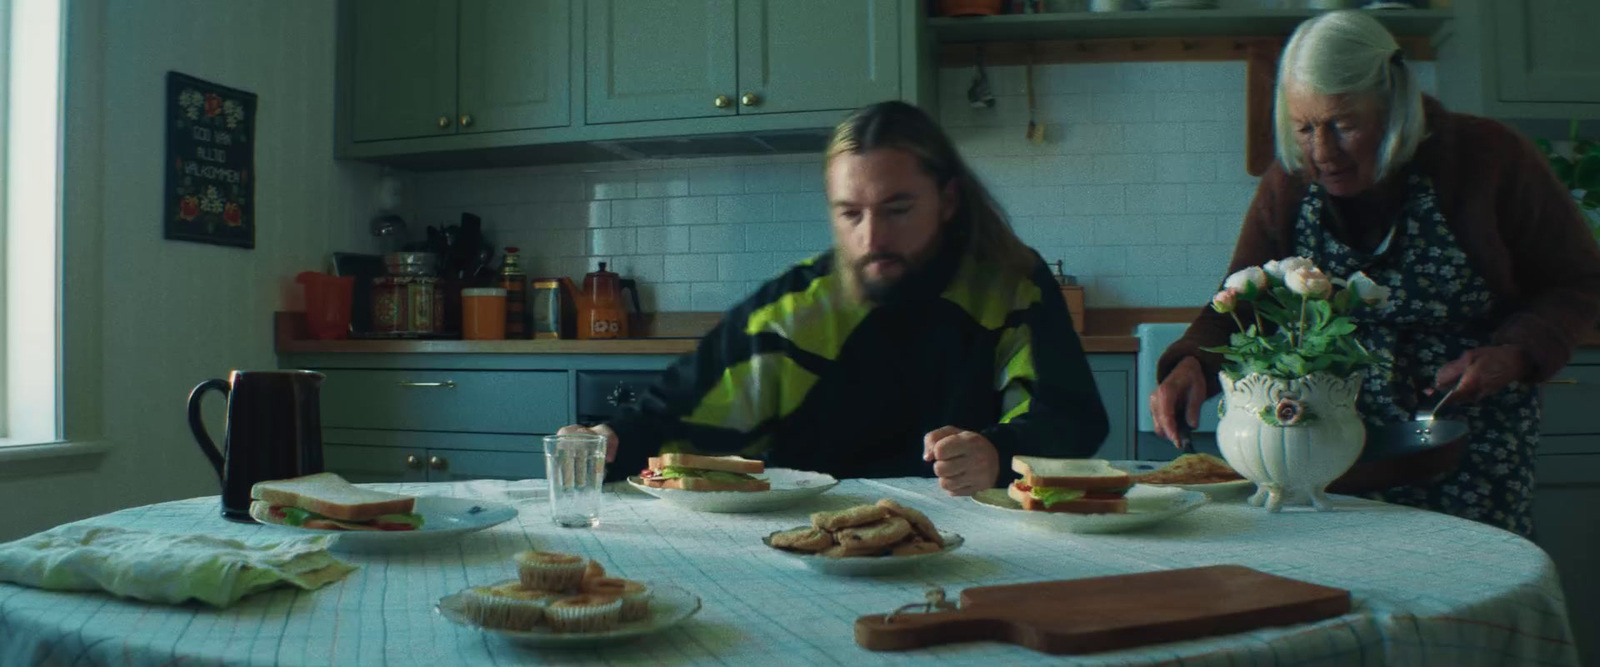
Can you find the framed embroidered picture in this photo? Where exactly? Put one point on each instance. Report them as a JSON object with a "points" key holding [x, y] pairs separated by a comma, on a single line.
{"points": [[210, 165]]}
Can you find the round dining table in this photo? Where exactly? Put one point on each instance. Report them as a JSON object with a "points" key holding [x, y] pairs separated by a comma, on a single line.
{"points": [[1427, 589]]}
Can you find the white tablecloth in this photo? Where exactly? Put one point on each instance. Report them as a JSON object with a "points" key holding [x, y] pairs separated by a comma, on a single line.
{"points": [[1428, 589]]}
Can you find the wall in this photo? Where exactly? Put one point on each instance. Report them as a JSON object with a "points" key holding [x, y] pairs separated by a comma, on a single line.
{"points": [[173, 314], [1140, 189]]}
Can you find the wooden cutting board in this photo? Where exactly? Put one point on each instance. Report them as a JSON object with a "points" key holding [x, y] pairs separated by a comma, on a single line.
{"points": [[1109, 613]]}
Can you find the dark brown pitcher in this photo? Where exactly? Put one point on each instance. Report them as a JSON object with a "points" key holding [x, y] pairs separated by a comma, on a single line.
{"points": [[273, 431]]}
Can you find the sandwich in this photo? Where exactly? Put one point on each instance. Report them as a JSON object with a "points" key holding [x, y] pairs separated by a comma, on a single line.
{"points": [[326, 501], [1073, 486], [693, 472], [1192, 469]]}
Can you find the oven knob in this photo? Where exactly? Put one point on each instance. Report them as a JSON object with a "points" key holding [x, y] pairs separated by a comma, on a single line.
{"points": [[622, 395]]}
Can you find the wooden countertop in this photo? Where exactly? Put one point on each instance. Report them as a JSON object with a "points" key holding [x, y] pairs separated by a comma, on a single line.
{"points": [[1106, 330]]}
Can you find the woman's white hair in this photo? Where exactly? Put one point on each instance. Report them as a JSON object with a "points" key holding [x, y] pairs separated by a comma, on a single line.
{"points": [[1349, 52]]}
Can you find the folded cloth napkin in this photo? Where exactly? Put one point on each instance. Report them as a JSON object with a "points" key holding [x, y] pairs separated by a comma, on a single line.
{"points": [[163, 567]]}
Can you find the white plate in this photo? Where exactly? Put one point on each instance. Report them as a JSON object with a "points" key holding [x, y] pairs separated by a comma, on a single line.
{"points": [[1232, 489], [1147, 505], [788, 487], [442, 519], [867, 566], [669, 606]]}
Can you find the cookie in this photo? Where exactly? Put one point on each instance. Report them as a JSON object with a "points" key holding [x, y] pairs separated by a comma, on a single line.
{"points": [[875, 536], [841, 551], [845, 518], [803, 539], [919, 521], [915, 547]]}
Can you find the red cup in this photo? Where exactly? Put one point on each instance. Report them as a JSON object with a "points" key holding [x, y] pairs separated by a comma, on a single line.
{"points": [[327, 304]]}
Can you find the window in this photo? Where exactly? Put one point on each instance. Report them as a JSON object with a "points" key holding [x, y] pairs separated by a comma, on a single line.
{"points": [[30, 220]]}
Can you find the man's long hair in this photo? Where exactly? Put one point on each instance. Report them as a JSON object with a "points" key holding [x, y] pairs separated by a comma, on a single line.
{"points": [[989, 238]]}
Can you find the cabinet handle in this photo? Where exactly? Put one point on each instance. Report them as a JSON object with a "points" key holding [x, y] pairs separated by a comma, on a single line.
{"points": [[444, 122], [749, 99], [413, 462], [447, 384], [438, 462], [1562, 381], [466, 120], [722, 102]]}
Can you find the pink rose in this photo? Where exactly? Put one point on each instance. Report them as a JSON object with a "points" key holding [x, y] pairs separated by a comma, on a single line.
{"points": [[1310, 283], [1225, 301], [1288, 412]]}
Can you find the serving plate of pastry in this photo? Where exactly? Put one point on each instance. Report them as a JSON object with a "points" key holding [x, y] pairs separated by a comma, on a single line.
{"points": [[565, 600], [865, 540], [1191, 472]]}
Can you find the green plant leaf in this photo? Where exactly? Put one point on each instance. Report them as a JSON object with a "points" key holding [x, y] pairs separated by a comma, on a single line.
{"points": [[1544, 146], [1564, 170], [1585, 147], [1572, 130], [1586, 176], [1591, 199], [1340, 327]]}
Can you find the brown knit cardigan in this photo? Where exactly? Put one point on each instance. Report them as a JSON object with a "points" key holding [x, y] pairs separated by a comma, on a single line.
{"points": [[1517, 224]]}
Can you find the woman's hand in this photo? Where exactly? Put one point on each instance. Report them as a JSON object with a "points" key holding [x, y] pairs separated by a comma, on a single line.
{"points": [[1179, 396], [602, 429], [1483, 372]]}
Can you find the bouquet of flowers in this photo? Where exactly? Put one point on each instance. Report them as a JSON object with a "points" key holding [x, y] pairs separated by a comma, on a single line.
{"points": [[1299, 320]]}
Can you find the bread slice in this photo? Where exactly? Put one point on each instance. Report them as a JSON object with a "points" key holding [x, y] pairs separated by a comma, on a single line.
{"points": [[1079, 506], [718, 463], [1084, 474], [703, 484], [331, 496]]}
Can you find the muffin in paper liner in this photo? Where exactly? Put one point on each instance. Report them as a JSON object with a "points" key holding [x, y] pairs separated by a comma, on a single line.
{"points": [[635, 596], [551, 571], [584, 613], [507, 605]]}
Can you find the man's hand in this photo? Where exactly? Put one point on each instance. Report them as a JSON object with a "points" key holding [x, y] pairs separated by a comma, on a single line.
{"points": [[1483, 372], [611, 436], [965, 461]]}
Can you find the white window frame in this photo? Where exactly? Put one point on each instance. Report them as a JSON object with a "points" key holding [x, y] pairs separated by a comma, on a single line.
{"points": [[31, 221]]}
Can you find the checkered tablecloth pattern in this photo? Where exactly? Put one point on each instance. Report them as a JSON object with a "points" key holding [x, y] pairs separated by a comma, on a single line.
{"points": [[1428, 589]]}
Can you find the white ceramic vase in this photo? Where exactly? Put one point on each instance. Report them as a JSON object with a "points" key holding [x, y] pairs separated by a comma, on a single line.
{"points": [[1291, 437]]}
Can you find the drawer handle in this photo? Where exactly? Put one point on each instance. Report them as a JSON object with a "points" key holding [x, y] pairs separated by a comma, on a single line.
{"points": [[438, 462], [1562, 381], [413, 462], [447, 384]]}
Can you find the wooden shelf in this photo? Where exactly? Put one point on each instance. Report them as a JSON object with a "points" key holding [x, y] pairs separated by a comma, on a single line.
{"points": [[1163, 23]]}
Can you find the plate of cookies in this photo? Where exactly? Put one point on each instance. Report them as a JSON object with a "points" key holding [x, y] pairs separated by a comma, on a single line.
{"points": [[865, 540], [566, 600]]}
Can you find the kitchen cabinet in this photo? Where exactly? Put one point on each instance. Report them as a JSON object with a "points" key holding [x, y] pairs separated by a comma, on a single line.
{"points": [[1113, 378], [1568, 479], [428, 68], [364, 463], [675, 59], [403, 71], [660, 60], [430, 84], [1527, 59]]}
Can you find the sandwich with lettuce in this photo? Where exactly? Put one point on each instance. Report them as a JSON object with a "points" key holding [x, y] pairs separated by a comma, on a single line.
{"points": [[693, 472], [1073, 486], [326, 501]]}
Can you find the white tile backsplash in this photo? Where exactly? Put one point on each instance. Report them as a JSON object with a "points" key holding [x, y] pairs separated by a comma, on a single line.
{"points": [[1140, 188]]}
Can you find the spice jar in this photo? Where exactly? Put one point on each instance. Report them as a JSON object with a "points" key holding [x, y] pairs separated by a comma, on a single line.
{"points": [[483, 313]]}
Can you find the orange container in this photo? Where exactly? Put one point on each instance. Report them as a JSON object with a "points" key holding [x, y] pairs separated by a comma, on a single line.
{"points": [[483, 313], [327, 304]]}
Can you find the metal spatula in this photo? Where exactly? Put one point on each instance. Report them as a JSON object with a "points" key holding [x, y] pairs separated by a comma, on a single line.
{"points": [[978, 94]]}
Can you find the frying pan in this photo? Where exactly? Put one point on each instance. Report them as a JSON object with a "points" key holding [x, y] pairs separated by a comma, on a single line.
{"points": [[1407, 452]]}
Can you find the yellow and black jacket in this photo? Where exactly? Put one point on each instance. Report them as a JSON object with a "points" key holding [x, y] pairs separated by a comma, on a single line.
{"points": [[802, 376]]}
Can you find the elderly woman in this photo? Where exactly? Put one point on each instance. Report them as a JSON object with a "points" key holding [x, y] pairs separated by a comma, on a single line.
{"points": [[1494, 275]]}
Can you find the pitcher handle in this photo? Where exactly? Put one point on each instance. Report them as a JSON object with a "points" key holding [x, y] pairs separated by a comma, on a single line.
{"points": [[198, 426], [632, 288]]}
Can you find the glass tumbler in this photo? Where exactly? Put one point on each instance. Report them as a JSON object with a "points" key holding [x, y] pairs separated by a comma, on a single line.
{"points": [[575, 467]]}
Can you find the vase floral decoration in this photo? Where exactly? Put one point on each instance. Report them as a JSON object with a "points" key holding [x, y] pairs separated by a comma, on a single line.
{"points": [[1290, 378]]}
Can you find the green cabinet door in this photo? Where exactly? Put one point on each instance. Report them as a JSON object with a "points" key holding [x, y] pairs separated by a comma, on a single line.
{"points": [[361, 464], [817, 55], [402, 68], [1545, 50], [659, 60], [514, 72]]}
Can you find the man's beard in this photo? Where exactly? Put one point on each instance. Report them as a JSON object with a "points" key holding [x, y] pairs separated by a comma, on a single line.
{"points": [[914, 278]]}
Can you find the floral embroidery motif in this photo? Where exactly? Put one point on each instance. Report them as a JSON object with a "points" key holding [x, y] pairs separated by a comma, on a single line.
{"points": [[1437, 310]]}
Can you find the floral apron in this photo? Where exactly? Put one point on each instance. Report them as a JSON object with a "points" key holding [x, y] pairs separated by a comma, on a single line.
{"points": [[1439, 308]]}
